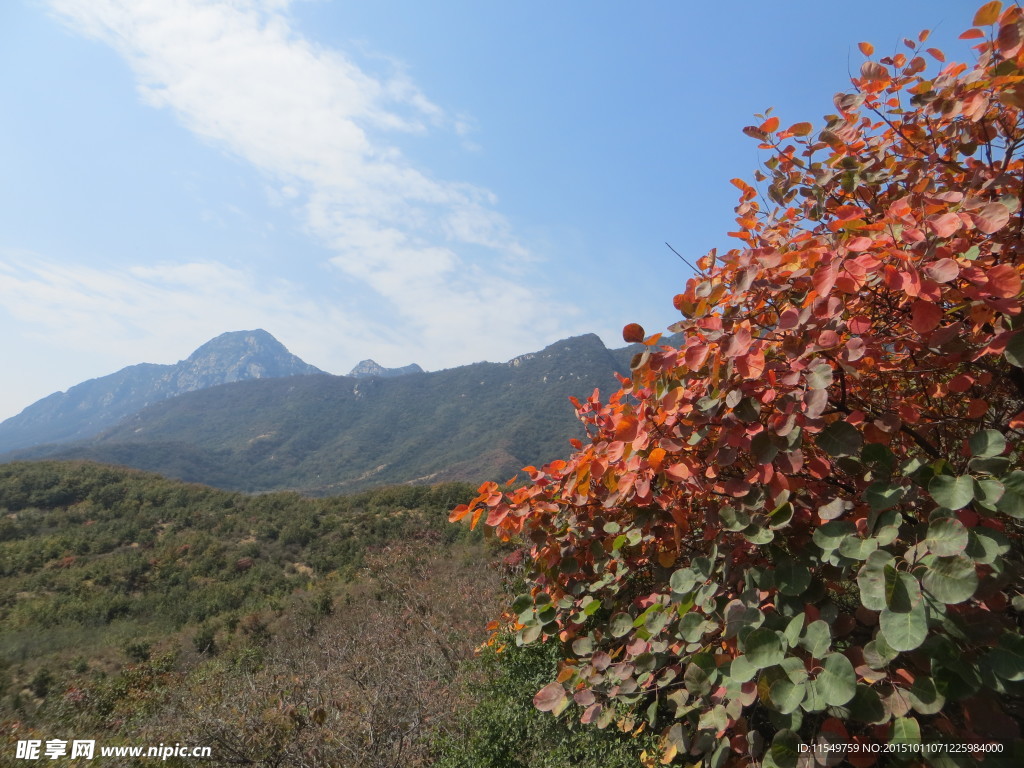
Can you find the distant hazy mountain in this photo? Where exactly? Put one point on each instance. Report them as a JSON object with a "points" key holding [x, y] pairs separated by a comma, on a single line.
{"points": [[328, 434], [368, 368], [92, 406]]}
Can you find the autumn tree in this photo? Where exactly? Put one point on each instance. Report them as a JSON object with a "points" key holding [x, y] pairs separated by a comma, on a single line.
{"points": [[802, 527]]}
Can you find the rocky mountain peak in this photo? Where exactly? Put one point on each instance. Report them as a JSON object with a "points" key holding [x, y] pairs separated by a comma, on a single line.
{"points": [[368, 368]]}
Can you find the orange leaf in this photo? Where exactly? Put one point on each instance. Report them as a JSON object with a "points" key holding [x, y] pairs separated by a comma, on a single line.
{"points": [[937, 54], [678, 471], [988, 14], [1003, 281], [972, 34], [770, 125], [800, 129], [866, 48]]}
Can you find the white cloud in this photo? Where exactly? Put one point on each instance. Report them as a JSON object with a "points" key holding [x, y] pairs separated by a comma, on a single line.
{"points": [[439, 259]]}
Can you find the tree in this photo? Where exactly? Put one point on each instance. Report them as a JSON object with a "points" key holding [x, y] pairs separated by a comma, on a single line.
{"points": [[804, 523]]}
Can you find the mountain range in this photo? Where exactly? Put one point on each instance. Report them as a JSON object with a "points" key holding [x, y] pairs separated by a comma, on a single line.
{"points": [[242, 413]]}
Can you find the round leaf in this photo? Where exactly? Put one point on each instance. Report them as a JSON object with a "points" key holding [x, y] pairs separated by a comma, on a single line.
{"points": [[952, 492], [837, 680], [987, 443], [904, 631], [840, 438], [951, 579], [946, 537], [621, 624], [763, 648]]}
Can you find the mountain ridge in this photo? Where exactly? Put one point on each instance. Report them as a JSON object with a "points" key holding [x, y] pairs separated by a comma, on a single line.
{"points": [[91, 406]]}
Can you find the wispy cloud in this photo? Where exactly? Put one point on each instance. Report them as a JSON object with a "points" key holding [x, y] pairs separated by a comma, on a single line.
{"points": [[437, 256]]}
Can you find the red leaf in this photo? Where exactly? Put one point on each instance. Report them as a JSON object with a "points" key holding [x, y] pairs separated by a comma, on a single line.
{"points": [[695, 356], [828, 339], [925, 316], [751, 366], [946, 224], [770, 125], [859, 244], [1009, 39], [937, 54], [972, 34], [678, 471], [549, 698], [800, 129], [943, 270], [987, 14], [860, 324], [1003, 281], [991, 218], [633, 333], [824, 278]]}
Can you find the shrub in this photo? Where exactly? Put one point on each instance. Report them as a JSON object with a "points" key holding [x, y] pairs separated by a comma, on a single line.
{"points": [[803, 523]]}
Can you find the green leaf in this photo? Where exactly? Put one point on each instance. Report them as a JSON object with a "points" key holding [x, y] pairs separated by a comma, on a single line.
{"points": [[1012, 501], [683, 581], [792, 578], [951, 580], [986, 545], [952, 492], [857, 548], [741, 670], [1007, 660], [997, 465], [583, 646], [987, 492], [905, 730], [781, 516], [946, 537], [763, 648], [522, 603], [837, 680], [871, 580], [1014, 352], [925, 697], [902, 591], [840, 438], [987, 443], [786, 695], [758, 535], [697, 680], [883, 495], [866, 705], [904, 631], [830, 535], [784, 751], [764, 448], [817, 639], [621, 624]]}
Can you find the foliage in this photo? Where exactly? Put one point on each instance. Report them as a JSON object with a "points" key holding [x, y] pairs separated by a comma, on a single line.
{"points": [[504, 730], [803, 523], [116, 566]]}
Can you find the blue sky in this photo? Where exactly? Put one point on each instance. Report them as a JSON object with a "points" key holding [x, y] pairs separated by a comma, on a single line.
{"points": [[438, 183]]}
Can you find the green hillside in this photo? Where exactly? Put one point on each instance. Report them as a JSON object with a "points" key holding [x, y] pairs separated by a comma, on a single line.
{"points": [[331, 434]]}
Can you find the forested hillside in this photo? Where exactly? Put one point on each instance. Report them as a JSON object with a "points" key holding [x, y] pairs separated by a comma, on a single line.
{"points": [[274, 629], [334, 434]]}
